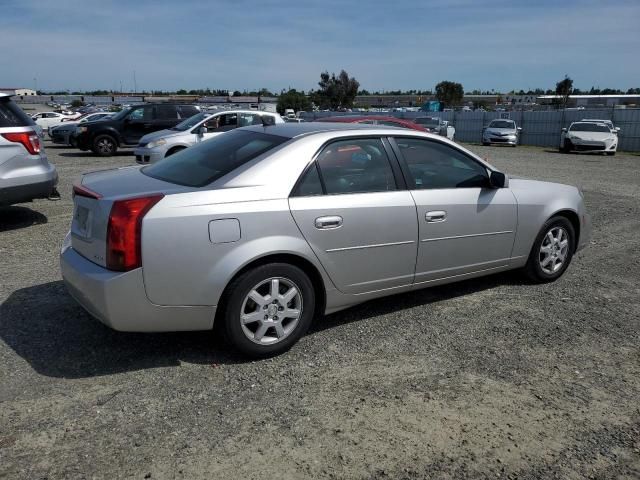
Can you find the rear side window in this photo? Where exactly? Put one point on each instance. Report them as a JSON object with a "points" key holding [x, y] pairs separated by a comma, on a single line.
{"points": [[166, 112], [11, 115], [356, 166], [208, 161], [187, 111]]}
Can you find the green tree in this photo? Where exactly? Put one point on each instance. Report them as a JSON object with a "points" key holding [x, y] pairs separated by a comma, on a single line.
{"points": [[449, 93], [336, 91], [293, 99], [564, 88]]}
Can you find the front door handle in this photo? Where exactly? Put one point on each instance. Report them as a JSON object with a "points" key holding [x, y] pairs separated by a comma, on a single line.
{"points": [[436, 216], [327, 223]]}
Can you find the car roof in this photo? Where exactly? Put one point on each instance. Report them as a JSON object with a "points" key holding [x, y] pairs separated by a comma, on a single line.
{"points": [[355, 118], [3, 95], [293, 130]]}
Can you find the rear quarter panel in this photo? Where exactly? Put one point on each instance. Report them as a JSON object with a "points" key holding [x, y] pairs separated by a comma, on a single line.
{"points": [[182, 266]]}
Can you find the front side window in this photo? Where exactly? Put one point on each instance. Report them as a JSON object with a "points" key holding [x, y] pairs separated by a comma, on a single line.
{"points": [[436, 165], [136, 114], [208, 161], [356, 166]]}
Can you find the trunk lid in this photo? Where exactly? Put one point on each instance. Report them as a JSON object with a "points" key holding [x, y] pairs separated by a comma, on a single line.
{"points": [[91, 212]]}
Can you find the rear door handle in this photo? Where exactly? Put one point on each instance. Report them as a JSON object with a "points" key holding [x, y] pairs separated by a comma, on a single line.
{"points": [[436, 216], [328, 223]]}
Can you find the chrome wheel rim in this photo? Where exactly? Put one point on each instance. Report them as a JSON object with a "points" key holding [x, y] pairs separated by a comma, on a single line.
{"points": [[554, 250], [271, 311]]}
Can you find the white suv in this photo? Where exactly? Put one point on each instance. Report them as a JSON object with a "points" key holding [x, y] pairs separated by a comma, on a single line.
{"points": [[25, 172]]}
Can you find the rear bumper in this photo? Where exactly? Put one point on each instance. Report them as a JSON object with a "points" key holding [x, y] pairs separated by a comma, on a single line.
{"points": [[24, 188], [119, 300]]}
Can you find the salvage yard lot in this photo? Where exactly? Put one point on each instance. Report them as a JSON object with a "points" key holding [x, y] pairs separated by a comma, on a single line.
{"points": [[488, 377]]}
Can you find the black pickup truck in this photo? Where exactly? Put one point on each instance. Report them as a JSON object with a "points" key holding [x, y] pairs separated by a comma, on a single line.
{"points": [[128, 126]]}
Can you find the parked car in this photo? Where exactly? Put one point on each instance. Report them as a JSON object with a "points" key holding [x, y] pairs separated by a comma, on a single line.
{"points": [[202, 126], [47, 119], [375, 120], [437, 126], [63, 133], [501, 131], [263, 228], [128, 126], [25, 172], [608, 123], [588, 137]]}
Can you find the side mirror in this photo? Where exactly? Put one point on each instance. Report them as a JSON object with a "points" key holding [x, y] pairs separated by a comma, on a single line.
{"points": [[202, 130], [564, 130], [497, 179], [519, 129], [617, 129]]}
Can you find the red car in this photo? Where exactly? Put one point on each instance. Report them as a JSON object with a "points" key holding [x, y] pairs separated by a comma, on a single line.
{"points": [[375, 120]]}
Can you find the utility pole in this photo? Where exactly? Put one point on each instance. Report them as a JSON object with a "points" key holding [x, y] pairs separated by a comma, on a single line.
{"points": [[135, 83]]}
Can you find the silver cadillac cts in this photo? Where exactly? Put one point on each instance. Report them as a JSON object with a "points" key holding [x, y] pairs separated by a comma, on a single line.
{"points": [[266, 227]]}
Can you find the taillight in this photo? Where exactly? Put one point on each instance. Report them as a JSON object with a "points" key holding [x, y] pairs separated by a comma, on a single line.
{"points": [[124, 232], [80, 191], [29, 140]]}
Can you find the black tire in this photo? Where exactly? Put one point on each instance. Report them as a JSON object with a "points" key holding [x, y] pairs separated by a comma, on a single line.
{"points": [[486, 144], [73, 142], [174, 150], [611, 154], [104, 146], [566, 147], [533, 269], [239, 289]]}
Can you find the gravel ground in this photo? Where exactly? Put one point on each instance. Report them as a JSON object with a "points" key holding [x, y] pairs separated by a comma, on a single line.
{"points": [[485, 378]]}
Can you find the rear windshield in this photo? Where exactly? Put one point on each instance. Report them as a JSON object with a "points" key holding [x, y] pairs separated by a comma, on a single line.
{"points": [[11, 115], [589, 127], [205, 162]]}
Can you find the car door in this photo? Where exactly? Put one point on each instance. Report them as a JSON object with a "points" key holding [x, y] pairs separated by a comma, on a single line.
{"points": [[464, 225], [138, 123], [352, 207]]}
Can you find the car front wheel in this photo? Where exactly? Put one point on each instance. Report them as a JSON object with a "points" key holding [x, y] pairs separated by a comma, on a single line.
{"points": [[267, 309], [552, 251], [104, 145]]}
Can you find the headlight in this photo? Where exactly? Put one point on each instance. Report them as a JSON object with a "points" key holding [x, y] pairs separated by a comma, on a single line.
{"points": [[156, 143]]}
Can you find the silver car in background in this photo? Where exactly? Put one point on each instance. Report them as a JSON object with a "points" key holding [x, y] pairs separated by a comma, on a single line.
{"points": [[25, 172], [264, 228], [501, 131], [437, 125], [198, 128]]}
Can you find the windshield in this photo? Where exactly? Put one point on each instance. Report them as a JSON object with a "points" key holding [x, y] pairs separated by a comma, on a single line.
{"points": [[502, 124], [122, 113], [190, 122], [206, 162], [589, 127], [432, 122]]}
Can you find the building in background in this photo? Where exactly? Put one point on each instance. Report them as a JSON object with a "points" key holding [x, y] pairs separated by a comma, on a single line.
{"points": [[21, 92]]}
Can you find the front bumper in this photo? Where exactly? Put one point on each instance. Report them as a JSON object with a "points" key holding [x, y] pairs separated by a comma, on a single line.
{"points": [[500, 140], [119, 300], [585, 231], [148, 155]]}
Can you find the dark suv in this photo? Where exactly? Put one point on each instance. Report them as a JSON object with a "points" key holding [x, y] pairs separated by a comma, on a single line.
{"points": [[128, 126]]}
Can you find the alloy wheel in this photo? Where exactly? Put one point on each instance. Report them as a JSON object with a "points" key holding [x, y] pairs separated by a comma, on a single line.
{"points": [[554, 250]]}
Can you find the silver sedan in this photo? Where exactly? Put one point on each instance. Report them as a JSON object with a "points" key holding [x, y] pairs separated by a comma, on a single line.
{"points": [[265, 228]]}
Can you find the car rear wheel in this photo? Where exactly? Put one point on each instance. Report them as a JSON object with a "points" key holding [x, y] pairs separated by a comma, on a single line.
{"points": [[104, 145], [268, 309], [552, 251]]}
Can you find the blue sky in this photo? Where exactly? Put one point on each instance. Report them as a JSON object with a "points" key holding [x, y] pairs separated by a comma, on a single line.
{"points": [[386, 45]]}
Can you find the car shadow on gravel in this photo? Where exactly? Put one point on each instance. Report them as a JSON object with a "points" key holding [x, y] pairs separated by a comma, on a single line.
{"points": [[81, 154], [49, 330], [16, 217], [425, 296]]}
